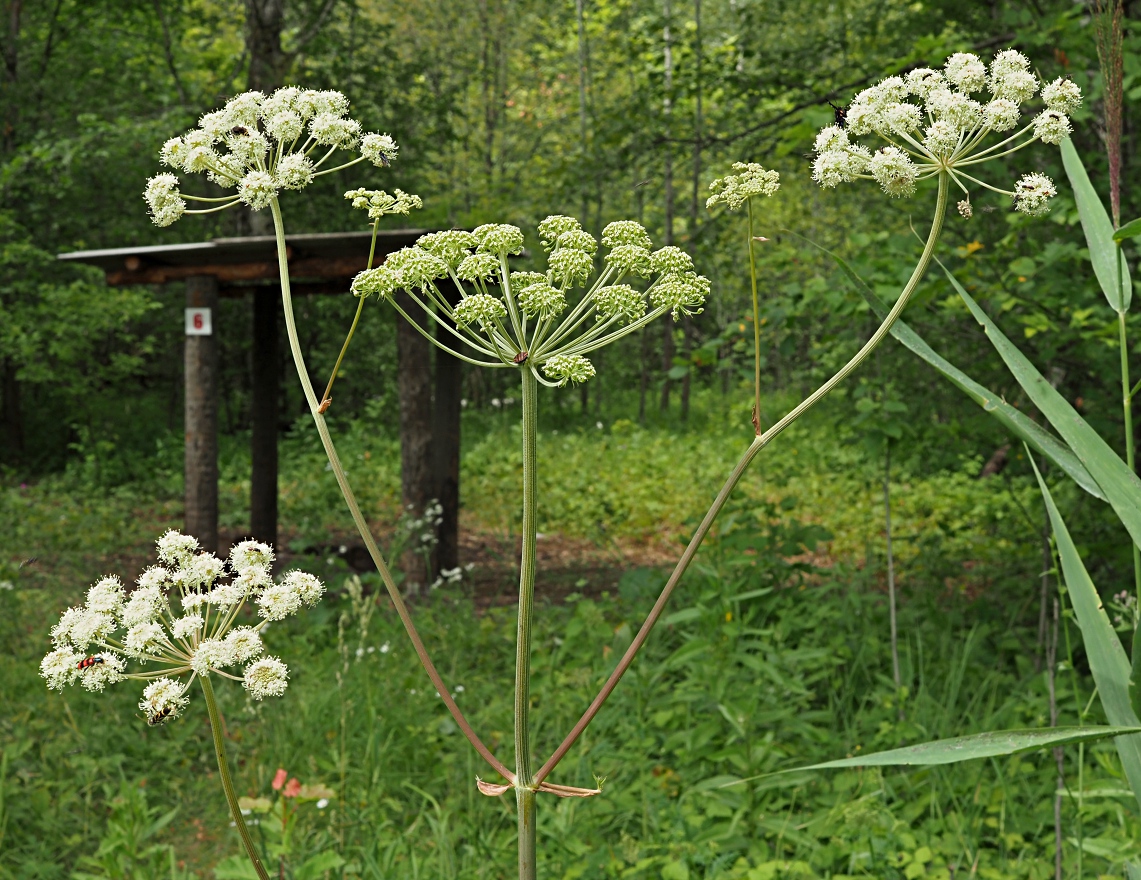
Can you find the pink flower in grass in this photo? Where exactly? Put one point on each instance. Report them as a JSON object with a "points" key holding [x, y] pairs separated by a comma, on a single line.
{"points": [[292, 788], [279, 779]]}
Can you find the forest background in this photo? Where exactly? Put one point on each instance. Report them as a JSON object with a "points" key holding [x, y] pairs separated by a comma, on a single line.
{"points": [[507, 111]]}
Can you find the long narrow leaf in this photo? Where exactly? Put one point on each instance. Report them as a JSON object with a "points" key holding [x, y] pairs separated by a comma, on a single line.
{"points": [[978, 745], [1103, 251], [1019, 424], [1121, 486], [1110, 667]]}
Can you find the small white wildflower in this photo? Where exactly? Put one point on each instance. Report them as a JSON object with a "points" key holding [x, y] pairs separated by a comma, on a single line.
{"points": [[631, 258], [107, 670], [479, 308], [1017, 86], [385, 648], [569, 368], [499, 238], [106, 596], [955, 107], [894, 171], [248, 149], [227, 595], [569, 265], [735, 189], [1062, 95], [61, 632], [244, 109], [214, 125], [253, 579], [330, 130], [833, 137], [144, 638], [211, 654], [379, 204], [244, 643], [1008, 61], [163, 699], [267, 677], [834, 167], [965, 71], [285, 126], [450, 246], [478, 267], [577, 239], [257, 189], [156, 577], [164, 199], [379, 149], [683, 293], [922, 80], [965, 209], [416, 267], [900, 118], [59, 668], [175, 548], [294, 171], [941, 137], [174, 152], [90, 626], [186, 628], [671, 260], [551, 228], [308, 587], [199, 572], [1052, 127], [279, 601], [1001, 114], [193, 601], [1032, 194], [381, 282], [322, 803], [250, 554]]}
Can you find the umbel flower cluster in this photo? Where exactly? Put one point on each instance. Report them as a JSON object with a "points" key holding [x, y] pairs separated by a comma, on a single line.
{"points": [[181, 618], [542, 321], [259, 145], [937, 121]]}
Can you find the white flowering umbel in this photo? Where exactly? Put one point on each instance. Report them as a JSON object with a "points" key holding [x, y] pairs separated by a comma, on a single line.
{"points": [[544, 322], [259, 145], [178, 623], [946, 121]]}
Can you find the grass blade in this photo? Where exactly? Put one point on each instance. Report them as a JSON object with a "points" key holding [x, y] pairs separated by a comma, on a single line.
{"points": [[1110, 667], [1103, 250], [1019, 424], [1121, 486], [1132, 229], [978, 745]]}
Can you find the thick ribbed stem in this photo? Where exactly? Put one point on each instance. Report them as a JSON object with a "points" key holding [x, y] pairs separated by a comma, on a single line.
{"points": [[756, 328], [891, 570], [755, 447], [227, 781], [524, 782], [1127, 407]]}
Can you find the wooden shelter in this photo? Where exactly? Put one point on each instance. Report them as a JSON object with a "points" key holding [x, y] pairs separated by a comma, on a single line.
{"points": [[321, 263]]}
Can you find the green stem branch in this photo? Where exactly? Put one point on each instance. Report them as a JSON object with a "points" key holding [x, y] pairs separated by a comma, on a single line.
{"points": [[227, 781], [759, 443], [354, 508], [756, 328]]}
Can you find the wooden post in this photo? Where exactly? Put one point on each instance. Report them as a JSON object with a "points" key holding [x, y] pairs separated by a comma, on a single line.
{"points": [[201, 363], [446, 449], [265, 382], [414, 388]]}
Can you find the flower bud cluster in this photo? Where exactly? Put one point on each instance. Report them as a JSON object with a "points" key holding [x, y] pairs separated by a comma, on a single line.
{"points": [[259, 145], [379, 204], [937, 121], [734, 190], [182, 616]]}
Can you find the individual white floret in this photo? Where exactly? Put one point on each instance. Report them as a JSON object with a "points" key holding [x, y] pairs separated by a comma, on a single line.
{"points": [[900, 118], [108, 670], [330, 130], [416, 267], [571, 369], [1032, 194], [478, 267], [143, 605], [751, 180], [479, 308], [955, 107], [922, 80], [91, 626], [840, 166], [106, 596], [577, 239], [60, 667], [833, 137], [451, 246], [163, 700], [257, 189], [164, 199], [381, 282], [285, 126], [1008, 61], [1052, 127], [186, 628], [671, 260], [941, 137], [294, 171], [965, 71], [1001, 114], [308, 587], [247, 149], [227, 594], [250, 554], [279, 601], [144, 638], [1062, 95], [175, 548], [379, 149], [215, 125], [268, 677], [211, 654], [244, 109], [894, 171], [541, 300], [626, 232], [244, 643], [174, 152], [1017, 86]]}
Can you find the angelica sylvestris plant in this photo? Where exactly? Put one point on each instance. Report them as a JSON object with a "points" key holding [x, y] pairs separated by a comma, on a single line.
{"points": [[179, 624], [545, 324], [939, 123]]}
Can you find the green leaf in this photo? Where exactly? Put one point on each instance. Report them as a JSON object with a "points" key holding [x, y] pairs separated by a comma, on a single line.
{"points": [[317, 865], [235, 868], [977, 745], [1132, 229], [1121, 486], [1110, 667], [1103, 250], [1019, 424]]}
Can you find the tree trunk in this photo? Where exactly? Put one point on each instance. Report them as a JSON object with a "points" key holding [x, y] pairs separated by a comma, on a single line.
{"points": [[414, 387], [13, 417], [201, 427], [446, 450], [265, 381], [668, 232]]}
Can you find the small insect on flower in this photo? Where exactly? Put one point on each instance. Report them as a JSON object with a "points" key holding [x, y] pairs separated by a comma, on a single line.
{"points": [[839, 114], [88, 662], [162, 716]]}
